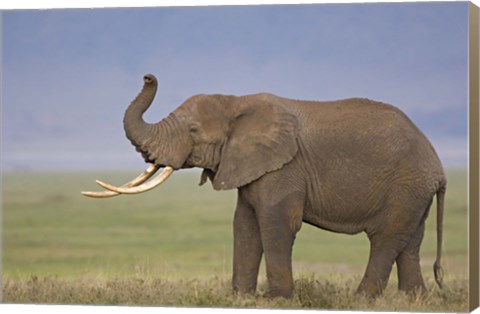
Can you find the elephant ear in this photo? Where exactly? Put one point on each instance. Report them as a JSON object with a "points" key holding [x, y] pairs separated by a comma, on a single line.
{"points": [[263, 138]]}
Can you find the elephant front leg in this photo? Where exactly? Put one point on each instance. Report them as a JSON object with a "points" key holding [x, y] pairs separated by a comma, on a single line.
{"points": [[247, 249], [278, 227]]}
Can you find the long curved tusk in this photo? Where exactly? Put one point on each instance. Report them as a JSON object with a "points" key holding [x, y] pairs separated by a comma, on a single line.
{"points": [[103, 194], [144, 176], [159, 179]]}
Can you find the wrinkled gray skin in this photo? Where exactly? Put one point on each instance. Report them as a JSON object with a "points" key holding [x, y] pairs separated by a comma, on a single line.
{"points": [[347, 166]]}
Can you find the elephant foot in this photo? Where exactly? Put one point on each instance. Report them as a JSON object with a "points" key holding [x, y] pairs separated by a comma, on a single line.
{"points": [[415, 290], [271, 293], [370, 290], [279, 293], [413, 284], [244, 291]]}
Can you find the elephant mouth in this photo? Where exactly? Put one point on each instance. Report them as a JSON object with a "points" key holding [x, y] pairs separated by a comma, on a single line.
{"points": [[138, 185]]}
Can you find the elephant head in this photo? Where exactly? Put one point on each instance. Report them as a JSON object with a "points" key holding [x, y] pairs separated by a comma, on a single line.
{"points": [[235, 140]]}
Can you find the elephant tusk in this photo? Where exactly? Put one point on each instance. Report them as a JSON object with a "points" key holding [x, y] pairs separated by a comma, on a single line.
{"points": [[159, 179], [103, 194], [144, 176]]}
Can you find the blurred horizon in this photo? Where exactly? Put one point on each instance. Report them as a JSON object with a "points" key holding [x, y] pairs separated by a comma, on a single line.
{"points": [[68, 75]]}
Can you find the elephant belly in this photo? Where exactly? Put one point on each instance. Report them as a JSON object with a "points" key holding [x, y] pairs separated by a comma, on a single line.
{"points": [[347, 227], [339, 208]]}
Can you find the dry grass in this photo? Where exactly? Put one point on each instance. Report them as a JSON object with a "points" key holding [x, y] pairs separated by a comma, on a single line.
{"points": [[330, 293]]}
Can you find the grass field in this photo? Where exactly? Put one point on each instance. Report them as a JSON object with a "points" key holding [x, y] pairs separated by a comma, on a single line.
{"points": [[173, 246]]}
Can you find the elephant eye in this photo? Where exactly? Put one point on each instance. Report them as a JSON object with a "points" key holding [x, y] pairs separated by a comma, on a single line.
{"points": [[194, 129]]}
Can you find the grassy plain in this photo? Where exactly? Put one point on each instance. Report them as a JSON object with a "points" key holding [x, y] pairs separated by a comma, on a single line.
{"points": [[173, 246]]}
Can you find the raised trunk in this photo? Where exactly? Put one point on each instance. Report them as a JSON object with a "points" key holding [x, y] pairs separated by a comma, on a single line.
{"points": [[164, 143], [136, 129]]}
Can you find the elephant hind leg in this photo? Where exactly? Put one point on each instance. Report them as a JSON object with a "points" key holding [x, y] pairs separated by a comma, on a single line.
{"points": [[396, 236], [382, 257], [410, 277]]}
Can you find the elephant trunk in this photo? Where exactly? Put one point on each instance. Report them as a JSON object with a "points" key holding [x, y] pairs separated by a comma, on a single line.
{"points": [[163, 143], [136, 129], [142, 135]]}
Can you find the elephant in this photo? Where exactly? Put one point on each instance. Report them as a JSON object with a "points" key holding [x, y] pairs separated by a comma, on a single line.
{"points": [[346, 166]]}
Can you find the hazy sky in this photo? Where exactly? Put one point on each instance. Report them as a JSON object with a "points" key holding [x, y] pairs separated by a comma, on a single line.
{"points": [[68, 75]]}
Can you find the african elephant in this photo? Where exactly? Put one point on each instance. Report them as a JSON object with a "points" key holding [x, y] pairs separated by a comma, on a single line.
{"points": [[347, 166]]}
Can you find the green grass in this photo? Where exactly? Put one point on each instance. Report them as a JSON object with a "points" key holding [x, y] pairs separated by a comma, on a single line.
{"points": [[181, 232]]}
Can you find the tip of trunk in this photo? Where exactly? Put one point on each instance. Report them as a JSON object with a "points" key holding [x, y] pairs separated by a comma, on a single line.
{"points": [[150, 79]]}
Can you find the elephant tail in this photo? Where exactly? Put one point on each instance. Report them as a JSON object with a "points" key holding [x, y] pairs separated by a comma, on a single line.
{"points": [[437, 267]]}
